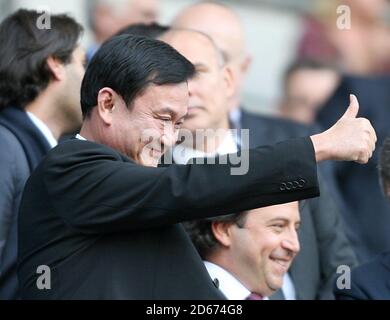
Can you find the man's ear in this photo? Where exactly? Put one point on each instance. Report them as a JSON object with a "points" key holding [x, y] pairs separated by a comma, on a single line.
{"points": [[56, 67], [221, 232], [228, 79], [246, 64], [106, 100]]}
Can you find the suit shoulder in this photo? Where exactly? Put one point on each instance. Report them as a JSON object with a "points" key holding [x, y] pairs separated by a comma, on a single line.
{"points": [[76, 151], [373, 270], [277, 122], [11, 149]]}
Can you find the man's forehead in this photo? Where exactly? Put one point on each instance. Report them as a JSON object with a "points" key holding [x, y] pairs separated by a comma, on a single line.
{"points": [[186, 36], [194, 45], [165, 98]]}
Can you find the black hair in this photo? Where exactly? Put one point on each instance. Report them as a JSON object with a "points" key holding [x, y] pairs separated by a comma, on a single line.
{"points": [[24, 50], [128, 64], [152, 30], [202, 235]]}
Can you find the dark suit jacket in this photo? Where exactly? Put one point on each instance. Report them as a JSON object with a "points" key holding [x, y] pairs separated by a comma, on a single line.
{"points": [[22, 146], [370, 281], [324, 245], [109, 228], [368, 210]]}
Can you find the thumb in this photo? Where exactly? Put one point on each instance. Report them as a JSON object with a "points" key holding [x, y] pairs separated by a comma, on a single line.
{"points": [[353, 108]]}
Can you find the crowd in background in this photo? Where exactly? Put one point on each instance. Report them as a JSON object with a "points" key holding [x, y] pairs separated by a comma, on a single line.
{"points": [[348, 225]]}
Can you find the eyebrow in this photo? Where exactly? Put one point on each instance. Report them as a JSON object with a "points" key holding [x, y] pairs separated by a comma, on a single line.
{"points": [[283, 219], [171, 112], [200, 65]]}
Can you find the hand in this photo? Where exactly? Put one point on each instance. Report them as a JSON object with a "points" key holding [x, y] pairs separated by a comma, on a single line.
{"points": [[349, 139]]}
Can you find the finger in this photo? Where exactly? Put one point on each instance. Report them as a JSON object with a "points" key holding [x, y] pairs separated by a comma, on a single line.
{"points": [[353, 108], [371, 130]]}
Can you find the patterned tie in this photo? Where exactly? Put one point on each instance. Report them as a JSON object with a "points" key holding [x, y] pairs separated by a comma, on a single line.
{"points": [[254, 296]]}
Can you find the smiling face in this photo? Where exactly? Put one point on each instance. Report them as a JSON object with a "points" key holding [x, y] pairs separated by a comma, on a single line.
{"points": [[144, 130], [261, 251]]}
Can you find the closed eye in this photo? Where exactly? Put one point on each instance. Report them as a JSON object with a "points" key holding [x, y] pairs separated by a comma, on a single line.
{"points": [[179, 124], [277, 227]]}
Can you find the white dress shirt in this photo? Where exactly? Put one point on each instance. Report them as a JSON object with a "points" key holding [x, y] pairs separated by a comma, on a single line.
{"points": [[182, 154], [288, 288], [44, 129], [227, 283]]}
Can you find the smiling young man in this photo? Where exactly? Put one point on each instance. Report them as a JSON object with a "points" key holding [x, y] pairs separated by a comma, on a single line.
{"points": [[248, 254], [40, 77]]}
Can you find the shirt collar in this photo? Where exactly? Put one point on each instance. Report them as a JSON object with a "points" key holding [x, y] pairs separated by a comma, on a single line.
{"points": [[44, 129], [235, 118], [228, 284], [78, 136], [182, 154]]}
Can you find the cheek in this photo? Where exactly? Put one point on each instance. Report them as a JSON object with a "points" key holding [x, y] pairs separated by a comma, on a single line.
{"points": [[267, 243], [150, 132]]}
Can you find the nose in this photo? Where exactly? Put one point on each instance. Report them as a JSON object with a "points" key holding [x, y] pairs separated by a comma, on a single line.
{"points": [[291, 242], [170, 136], [192, 84]]}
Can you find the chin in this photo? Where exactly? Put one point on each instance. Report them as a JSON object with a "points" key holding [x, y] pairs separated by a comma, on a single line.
{"points": [[275, 282]]}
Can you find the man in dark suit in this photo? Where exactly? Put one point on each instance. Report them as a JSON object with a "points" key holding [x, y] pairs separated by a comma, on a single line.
{"points": [[323, 234], [40, 74], [371, 281], [359, 184], [324, 244], [248, 254], [99, 220]]}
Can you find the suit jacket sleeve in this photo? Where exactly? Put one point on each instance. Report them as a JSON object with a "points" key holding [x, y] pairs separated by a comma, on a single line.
{"points": [[95, 193], [333, 245]]}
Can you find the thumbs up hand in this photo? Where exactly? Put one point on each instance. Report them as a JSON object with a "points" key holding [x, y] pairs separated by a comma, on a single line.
{"points": [[349, 139]]}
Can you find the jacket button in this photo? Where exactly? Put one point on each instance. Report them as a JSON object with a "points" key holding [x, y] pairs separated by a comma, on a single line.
{"points": [[302, 183], [283, 187], [289, 185]]}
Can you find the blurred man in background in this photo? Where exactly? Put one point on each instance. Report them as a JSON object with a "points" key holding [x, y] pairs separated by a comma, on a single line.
{"points": [[308, 84], [371, 281], [40, 78], [110, 16], [225, 28]]}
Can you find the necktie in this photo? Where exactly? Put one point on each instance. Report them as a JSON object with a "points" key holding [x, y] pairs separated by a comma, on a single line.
{"points": [[254, 296]]}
